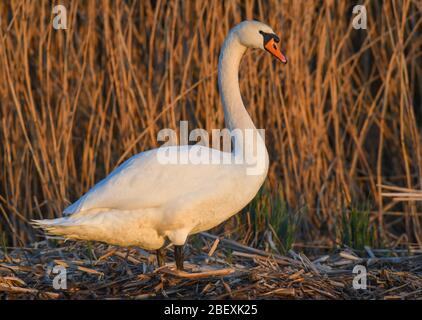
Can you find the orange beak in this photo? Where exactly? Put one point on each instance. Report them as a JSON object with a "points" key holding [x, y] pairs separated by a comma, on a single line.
{"points": [[272, 48]]}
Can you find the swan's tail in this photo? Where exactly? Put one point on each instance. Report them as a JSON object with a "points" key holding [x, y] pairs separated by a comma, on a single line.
{"points": [[106, 225], [66, 227]]}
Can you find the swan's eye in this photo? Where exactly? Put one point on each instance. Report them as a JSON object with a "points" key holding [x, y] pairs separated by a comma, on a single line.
{"points": [[269, 36]]}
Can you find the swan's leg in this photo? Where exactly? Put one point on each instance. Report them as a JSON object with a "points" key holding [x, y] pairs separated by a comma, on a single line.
{"points": [[178, 256], [161, 257]]}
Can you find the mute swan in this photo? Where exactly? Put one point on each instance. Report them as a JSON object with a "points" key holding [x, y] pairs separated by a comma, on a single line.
{"points": [[144, 202]]}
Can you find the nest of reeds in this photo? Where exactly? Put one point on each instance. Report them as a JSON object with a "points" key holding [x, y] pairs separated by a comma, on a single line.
{"points": [[216, 268]]}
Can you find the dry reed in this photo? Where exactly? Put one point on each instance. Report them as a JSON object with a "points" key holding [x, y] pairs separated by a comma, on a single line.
{"points": [[107, 272], [342, 118]]}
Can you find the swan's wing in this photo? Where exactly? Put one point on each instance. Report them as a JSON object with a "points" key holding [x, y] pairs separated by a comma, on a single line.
{"points": [[145, 182]]}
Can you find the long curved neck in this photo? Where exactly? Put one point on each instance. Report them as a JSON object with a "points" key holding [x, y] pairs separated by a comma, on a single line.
{"points": [[235, 115]]}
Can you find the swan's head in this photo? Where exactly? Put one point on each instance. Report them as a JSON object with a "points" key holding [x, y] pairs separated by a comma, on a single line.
{"points": [[255, 34]]}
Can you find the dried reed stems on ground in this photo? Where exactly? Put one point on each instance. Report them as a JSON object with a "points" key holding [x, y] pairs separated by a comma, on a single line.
{"points": [[105, 272], [341, 119]]}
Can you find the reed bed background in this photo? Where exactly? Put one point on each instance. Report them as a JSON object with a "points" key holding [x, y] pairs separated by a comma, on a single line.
{"points": [[343, 118]]}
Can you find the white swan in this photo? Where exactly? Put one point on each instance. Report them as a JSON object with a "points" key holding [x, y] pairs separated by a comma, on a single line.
{"points": [[144, 202]]}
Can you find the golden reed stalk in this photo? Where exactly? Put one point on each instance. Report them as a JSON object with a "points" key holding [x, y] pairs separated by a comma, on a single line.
{"points": [[341, 119]]}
